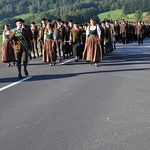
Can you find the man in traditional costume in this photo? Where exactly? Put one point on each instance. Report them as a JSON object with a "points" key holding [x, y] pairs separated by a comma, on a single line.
{"points": [[34, 31], [22, 45], [76, 39], [41, 34], [60, 33]]}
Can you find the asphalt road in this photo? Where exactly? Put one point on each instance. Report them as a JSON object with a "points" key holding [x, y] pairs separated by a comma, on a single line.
{"points": [[77, 106]]}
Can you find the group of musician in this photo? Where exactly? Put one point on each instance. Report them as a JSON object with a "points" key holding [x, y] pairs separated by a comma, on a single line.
{"points": [[56, 40]]}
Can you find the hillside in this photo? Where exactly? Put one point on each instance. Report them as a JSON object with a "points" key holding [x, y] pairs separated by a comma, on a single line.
{"points": [[69, 8], [117, 15], [76, 10]]}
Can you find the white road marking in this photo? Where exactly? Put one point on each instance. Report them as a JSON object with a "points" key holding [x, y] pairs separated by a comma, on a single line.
{"points": [[24, 79], [66, 61], [10, 85]]}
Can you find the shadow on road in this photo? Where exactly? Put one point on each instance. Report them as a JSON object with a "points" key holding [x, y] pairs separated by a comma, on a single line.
{"points": [[109, 60], [61, 76]]}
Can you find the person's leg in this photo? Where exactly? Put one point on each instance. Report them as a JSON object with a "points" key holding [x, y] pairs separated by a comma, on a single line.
{"points": [[18, 55], [35, 46], [25, 60]]}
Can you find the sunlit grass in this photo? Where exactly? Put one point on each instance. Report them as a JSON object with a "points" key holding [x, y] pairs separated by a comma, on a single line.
{"points": [[117, 15], [24, 16]]}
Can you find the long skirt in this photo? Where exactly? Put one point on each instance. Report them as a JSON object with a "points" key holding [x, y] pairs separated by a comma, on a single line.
{"points": [[7, 52], [92, 50], [49, 51]]}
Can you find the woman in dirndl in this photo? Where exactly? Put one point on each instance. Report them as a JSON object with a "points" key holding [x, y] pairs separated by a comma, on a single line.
{"points": [[49, 47], [7, 49], [92, 51]]}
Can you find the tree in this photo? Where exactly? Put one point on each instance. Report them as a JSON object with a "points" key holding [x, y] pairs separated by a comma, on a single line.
{"points": [[123, 12], [108, 15], [138, 15]]}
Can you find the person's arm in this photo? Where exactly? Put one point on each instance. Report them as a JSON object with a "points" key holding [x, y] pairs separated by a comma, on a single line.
{"points": [[54, 35], [99, 31], [3, 37], [87, 31]]}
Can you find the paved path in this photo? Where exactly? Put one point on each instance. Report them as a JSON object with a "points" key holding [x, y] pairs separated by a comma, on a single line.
{"points": [[77, 106]]}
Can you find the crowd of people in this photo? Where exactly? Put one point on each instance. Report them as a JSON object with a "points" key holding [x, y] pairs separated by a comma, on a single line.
{"points": [[56, 40]]}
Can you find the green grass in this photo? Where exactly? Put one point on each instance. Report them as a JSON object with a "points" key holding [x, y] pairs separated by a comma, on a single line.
{"points": [[117, 15], [24, 16]]}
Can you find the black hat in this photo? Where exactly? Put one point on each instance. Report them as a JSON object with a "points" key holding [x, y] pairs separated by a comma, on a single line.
{"points": [[43, 19], [103, 21], [33, 22], [19, 20], [58, 19], [23, 20], [75, 22], [49, 20]]}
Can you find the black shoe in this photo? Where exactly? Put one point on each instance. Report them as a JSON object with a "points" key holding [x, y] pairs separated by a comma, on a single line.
{"points": [[34, 57], [30, 57], [38, 55], [76, 60], [8, 65], [26, 73], [19, 76]]}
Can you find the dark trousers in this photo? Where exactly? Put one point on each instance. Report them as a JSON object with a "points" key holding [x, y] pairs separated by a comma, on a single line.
{"points": [[123, 38], [59, 48], [21, 55], [140, 38], [76, 49]]}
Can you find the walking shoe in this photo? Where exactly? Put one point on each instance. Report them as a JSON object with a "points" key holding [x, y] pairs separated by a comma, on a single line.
{"points": [[8, 65], [96, 64], [26, 73], [19, 76]]}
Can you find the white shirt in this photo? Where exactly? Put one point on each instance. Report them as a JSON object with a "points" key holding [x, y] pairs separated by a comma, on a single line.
{"points": [[98, 30]]}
